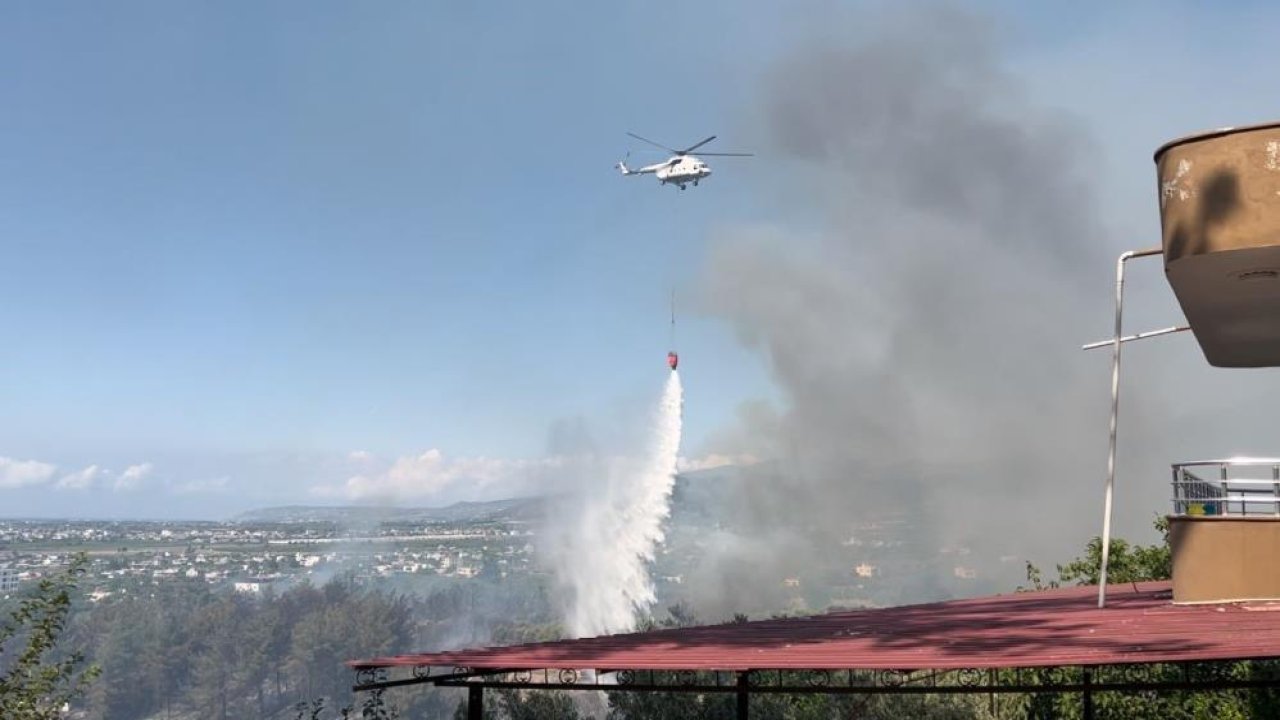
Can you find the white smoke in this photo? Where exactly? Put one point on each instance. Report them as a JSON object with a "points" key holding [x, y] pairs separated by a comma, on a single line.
{"points": [[917, 304], [604, 533]]}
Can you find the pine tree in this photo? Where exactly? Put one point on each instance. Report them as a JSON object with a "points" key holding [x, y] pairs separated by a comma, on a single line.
{"points": [[37, 678]]}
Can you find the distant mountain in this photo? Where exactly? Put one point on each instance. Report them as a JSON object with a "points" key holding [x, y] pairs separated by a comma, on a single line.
{"points": [[506, 510], [696, 495]]}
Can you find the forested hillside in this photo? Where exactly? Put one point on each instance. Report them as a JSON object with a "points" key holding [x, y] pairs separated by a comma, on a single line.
{"points": [[186, 651]]}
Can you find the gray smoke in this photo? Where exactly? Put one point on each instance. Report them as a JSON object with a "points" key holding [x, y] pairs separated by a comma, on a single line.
{"points": [[921, 307]]}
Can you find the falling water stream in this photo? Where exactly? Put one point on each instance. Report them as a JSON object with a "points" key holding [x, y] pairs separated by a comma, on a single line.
{"points": [[618, 528]]}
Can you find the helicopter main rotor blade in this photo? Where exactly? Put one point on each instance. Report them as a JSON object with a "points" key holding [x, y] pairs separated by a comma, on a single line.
{"points": [[691, 148], [659, 145], [726, 154]]}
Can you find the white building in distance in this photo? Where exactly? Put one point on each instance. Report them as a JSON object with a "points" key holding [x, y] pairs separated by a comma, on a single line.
{"points": [[8, 579]]}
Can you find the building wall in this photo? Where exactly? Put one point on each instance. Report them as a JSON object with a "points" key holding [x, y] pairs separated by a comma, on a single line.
{"points": [[1223, 559], [1218, 192], [8, 579], [1220, 217]]}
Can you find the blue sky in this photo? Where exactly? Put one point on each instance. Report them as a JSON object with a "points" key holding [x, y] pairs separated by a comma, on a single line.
{"points": [[243, 241]]}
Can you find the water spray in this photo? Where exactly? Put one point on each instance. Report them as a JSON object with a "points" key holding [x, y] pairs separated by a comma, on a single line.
{"points": [[612, 529]]}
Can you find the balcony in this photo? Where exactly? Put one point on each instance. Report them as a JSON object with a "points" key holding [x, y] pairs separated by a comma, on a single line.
{"points": [[1224, 532], [1235, 487]]}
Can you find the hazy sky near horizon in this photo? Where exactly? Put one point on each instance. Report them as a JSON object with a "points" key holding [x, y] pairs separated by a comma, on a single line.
{"points": [[261, 254]]}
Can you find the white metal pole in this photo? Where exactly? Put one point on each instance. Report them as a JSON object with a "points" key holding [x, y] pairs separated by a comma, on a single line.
{"points": [[1139, 336], [1115, 413]]}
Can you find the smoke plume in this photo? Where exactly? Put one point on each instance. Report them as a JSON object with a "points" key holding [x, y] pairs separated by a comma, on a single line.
{"points": [[920, 309]]}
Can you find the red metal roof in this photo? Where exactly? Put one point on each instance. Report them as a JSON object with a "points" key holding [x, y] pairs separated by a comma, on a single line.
{"points": [[1035, 629]]}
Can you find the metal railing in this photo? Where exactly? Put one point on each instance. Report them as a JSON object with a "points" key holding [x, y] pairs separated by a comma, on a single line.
{"points": [[1235, 487]]}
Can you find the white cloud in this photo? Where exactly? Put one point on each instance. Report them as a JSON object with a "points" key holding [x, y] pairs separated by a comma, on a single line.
{"points": [[79, 480], [133, 476], [360, 456], [715, 460], [416, 477], [17, 473]]}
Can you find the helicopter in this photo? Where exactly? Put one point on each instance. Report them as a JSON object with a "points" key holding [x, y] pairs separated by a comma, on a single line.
{"points": [[681, 168]]}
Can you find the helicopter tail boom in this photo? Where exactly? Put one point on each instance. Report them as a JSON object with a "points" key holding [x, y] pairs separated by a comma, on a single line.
{"points": [[646, 170]]}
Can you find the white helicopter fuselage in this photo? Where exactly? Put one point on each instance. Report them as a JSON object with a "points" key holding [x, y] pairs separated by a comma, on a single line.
{"points": [[679, 170], [685, 169]]}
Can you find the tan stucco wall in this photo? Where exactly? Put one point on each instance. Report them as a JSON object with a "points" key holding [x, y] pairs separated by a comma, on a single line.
{"points": [[1220, 193], [1219, 559], [1220, 222]]}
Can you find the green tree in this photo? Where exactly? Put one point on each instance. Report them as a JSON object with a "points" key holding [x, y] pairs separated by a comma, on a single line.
{"points": [[1126, 563], [524, 705], [37, 679], [537, 705], [218, 659], [769, 706], [122, 690]]}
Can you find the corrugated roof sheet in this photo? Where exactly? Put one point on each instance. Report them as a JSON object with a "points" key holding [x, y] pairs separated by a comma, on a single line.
{"points": [[1034, 629]]}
